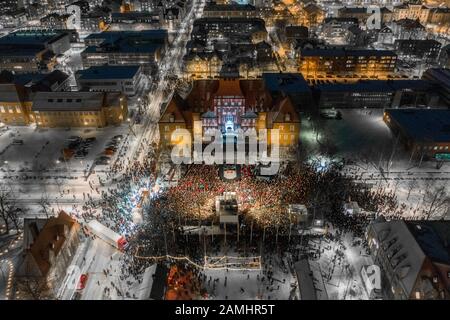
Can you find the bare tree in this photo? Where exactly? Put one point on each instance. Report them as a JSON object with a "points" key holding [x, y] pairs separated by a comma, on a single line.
{"points": [[436, 201], [35, 288], [9, 211], [412, 184], [44, 203]]}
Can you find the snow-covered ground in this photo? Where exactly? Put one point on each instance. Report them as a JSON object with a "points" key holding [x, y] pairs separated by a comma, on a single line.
{"points": [[248, 285], [101, 263], [362, 137], [340, 273]]}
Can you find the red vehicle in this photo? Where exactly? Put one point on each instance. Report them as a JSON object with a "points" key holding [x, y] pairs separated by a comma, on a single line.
{"points": [[82, 282]]}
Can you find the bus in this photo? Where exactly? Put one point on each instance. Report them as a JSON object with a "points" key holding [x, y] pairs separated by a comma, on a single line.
{"points": [[107, 235]]}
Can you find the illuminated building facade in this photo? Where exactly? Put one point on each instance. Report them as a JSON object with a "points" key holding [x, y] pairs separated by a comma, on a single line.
{"points": [[15, 104], [230, 105], [314, 62], [411, 10], [78, 109], [310, 15], [202, 65]]}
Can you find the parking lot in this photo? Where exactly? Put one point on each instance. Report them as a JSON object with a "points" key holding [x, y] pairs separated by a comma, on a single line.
{"points": [[31, 149]]}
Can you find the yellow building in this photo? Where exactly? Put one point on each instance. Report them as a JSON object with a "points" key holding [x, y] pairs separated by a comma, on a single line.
{"points": [[360, 63], [202, 65], [230, 105], [411, 11], [78, 109], [310, 15], [14, 104], [439, 16]]}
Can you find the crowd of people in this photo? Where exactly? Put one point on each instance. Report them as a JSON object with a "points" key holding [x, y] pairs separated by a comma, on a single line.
{"points": [[265, 201], [262, 206]]}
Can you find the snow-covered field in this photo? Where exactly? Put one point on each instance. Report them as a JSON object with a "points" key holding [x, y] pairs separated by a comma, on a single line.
{"points": [[377, 158]]}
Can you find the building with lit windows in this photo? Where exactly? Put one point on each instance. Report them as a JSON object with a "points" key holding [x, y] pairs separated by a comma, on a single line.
{"points": [[424, 132], [48, 249], [14, 104], [230, 11], [413, 256], [78, 109], [413, 10], [230, 105], [205, 29], [202, 64], [7, 6], [13, 19], [143, 48], [439, 16], [58, 41], [245, 59], [56, 21], [135, 20], [408, 29], [125, 79], [16, 91], [427, 50], [95, 20], [376, 94], [363, 14], [310, 15], [365, 63], [32, 51]]}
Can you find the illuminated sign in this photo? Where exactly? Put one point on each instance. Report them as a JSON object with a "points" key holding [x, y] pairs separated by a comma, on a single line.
{"points": [[443, 156]]}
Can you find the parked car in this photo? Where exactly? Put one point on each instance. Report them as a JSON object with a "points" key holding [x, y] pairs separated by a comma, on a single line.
{"points": [[74, 139], [82, 282], [331, 114], [17, 141]]}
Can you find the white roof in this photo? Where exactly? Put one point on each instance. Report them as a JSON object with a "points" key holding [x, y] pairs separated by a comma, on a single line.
{"points": [[405, 254], [101, 229]]}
